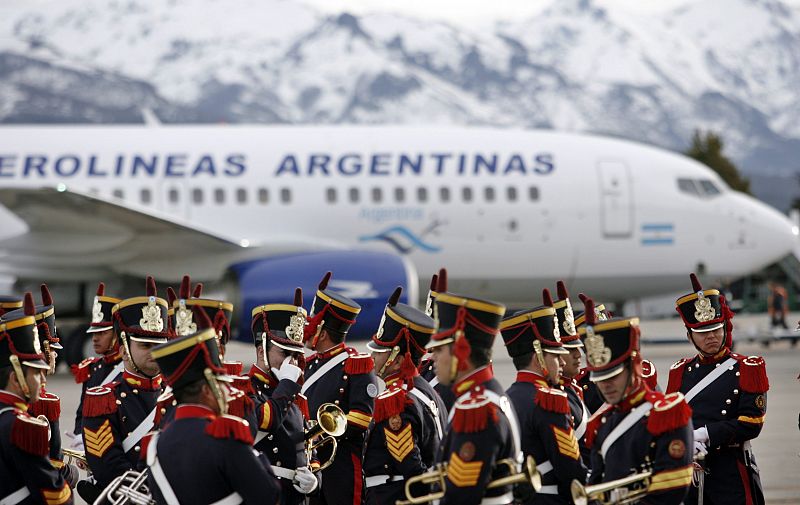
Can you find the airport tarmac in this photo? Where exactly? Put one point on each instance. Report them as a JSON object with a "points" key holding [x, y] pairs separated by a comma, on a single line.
{"points": [[777, 449]]}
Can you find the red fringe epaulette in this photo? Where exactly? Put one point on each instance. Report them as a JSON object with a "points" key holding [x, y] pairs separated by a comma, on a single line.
{"points": [[670, 412], [233, 367], [753, 374], [676, 375], [593, 425], [229, 427], [48, 405], [243, 384], [240, 404], [650, 374], [145, 443], [472, 414], [302, 403], [358, 363], [391, 402], [31, 434], [552, 400], [82, 371], [100, 401]]}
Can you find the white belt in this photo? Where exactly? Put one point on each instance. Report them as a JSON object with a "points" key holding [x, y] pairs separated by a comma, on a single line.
{"points": [[432, 408], [114, 372], [503, 499], [232, 499], [553, 489], [16, 497], [545, 467], [379, 480], [136, 435], [327, 367], [630, 420], [708, 379], [284, 473]]}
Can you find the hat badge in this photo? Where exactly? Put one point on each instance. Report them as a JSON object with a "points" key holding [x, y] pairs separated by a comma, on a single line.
{"points": [[297, 322], [569, 320], [183, 320], [597, 354], [37, 347], [703, 310], [429, 306], [97, 311], [380, 326], [151, 316], [556, 333]]}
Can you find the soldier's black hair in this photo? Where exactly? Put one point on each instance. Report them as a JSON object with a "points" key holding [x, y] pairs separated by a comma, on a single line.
{"points": [[523, 361], [480, 356], [336, 337], [190, 393], [5, 375]]}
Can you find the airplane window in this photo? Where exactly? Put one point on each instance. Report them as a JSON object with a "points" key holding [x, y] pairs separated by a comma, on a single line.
{"points": [[422, 194], [330, 195], [354, 195], [219, 195], [466, 193], [145, 196], [444, 194], [688, 186], [263, 195], [400, 195], [377, 195], [172, 195], [709, 188], [533, 193], [488, 193], [241, 195], [197, 196], [118, 193], [511, 193], [286, 195]]}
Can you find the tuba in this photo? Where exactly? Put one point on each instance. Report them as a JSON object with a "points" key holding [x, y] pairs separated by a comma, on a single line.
{"points": [[625, 490], [528, 474], [331, 423], [130, 488]]}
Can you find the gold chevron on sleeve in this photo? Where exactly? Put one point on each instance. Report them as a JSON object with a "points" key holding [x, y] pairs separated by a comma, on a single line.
{"points": [[752, 420], [462, 473], [359, 419], [671, 479], [567, 443], [98, 442], [400, 444], [57, 496]]}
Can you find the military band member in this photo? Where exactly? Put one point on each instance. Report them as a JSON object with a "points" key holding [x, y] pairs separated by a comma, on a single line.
{"points": [[591, 396], [532, 339], [203, 455], [105, 368], [642, 430], [341, 375], [409, 419], [727, 393], [9, 303], [427, 369], [117, 415], [26, 473], [482, 428], [281, 411]]}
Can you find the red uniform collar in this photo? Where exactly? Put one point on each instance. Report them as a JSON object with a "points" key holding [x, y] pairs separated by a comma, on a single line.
{"points": [[193, 410], [333, 351], [262, 376], [10, 398], [113, 357], [633, 399], [717, 358], [476, 378], [142, 382], [531, 377]]}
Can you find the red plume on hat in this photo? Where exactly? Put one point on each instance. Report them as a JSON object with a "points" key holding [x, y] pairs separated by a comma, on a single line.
{"points": [[561, 288], [591, 318], [171, 296], [101, 289], [441, 287], [546, 298], [583, 297], [29, 306], [151, 289], [198, 290], [395, 296], [186, 288], [434, 282], [298, 297], [696, 286], [323, 284], [47, 298]]}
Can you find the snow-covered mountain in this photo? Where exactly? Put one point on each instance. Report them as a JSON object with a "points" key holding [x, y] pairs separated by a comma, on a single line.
{"points": [[728, 65]]}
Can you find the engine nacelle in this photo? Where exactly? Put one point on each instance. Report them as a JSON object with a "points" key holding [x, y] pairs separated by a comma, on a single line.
{"points": [[367, 277]]}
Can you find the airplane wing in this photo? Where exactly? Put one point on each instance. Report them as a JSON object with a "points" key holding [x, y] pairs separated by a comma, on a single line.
{"points": [[68, 235]]}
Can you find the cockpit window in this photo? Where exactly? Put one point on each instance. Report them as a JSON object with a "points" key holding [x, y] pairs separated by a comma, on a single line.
{"points": [[701, 188]]}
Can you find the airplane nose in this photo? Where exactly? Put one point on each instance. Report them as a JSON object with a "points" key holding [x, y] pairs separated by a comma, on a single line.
{"points": [[772, 232]]}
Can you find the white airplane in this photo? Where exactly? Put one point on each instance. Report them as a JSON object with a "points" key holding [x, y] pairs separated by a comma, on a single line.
{"points": [[254, 211]]}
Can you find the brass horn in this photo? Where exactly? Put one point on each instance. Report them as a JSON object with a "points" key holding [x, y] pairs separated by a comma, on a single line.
{"points": [[130, 488], [625, 490], [76, 457], [331, 423], [528, 474]]}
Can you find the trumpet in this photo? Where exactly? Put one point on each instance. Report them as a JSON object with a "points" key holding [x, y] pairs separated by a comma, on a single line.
{"points": [[528, 474], [625, 490], [76, 457], [130, 488], [331, 423]]}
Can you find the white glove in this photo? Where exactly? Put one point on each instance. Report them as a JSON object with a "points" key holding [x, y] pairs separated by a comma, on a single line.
{"points": [[700, 450], [304, 481], [701, 435], [287, 371]]}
